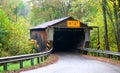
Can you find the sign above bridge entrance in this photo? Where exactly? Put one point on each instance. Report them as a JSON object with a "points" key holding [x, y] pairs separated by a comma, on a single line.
{"points": [[73, 24]]}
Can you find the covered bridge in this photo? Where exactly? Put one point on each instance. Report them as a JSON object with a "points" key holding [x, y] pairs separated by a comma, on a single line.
{"points": [[64, 34]]}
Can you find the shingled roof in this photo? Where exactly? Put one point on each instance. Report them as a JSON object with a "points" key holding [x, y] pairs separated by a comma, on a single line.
{"points": [[50, 23]]}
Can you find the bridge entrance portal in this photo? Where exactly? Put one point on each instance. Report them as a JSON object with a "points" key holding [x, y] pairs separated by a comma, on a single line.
{"points": [[68, 39]]}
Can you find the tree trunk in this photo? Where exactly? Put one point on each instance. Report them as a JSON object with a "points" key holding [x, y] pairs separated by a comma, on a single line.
{"points": [[118, 25], [105, 24], [117, 21], [68, 7]]}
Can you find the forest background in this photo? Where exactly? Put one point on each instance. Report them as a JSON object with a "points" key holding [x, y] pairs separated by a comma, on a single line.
{"points": [[17, 16]]}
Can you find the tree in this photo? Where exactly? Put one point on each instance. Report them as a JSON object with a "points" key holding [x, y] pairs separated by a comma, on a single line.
{"points": [[12, 8], [3, 20], [13, 38], [112, 9], [17, 9], [46, 10], [118, 29], [105, 25]]}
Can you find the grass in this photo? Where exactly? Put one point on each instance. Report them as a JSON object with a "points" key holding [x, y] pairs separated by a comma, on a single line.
{"points": [[15, 66]]}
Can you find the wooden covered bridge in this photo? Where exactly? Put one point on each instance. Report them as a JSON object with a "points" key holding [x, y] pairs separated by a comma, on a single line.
{"points": [[65, 34]]}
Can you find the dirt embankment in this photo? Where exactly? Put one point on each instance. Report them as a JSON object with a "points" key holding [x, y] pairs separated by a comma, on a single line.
{"points": [[114, 62]]}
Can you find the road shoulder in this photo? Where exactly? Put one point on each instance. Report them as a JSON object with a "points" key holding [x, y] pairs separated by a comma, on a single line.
{"points": [[111, 61]]}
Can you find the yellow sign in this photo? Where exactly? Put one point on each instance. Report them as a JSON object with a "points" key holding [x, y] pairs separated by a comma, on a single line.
{"points": [[73, 24]]}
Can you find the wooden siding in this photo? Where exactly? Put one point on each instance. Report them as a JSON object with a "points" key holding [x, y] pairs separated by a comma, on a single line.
{"points": [[41, 38], [63, 24]]}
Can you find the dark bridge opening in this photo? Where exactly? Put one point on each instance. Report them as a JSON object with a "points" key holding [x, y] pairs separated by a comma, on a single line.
{"points": [[68, 39]]}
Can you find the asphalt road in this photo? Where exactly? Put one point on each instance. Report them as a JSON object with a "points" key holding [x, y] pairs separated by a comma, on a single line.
{"points": [[74, 63]]}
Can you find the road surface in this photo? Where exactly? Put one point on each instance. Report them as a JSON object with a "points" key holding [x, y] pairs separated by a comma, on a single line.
{"points": [[74, 63]]}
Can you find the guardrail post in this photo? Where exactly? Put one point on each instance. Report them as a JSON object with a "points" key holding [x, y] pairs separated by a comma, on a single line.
{"points": [[5, 66], [45, 57], [21, 64], [98, 54], [32, 61], [38, 60], [118, 57], [42, 59]]}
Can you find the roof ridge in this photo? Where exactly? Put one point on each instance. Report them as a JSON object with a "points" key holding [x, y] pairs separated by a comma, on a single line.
{"points": [[50, 23]]}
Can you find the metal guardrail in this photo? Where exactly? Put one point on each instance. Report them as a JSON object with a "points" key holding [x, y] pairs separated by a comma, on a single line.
{"points": [[21, 58], [102, 51]]}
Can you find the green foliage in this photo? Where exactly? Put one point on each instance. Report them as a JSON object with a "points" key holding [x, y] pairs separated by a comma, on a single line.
{"points": [[97, 20], [17, 39], [4, 21], [47, 10], [13, 37], [12, 8], [78, 9]]}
